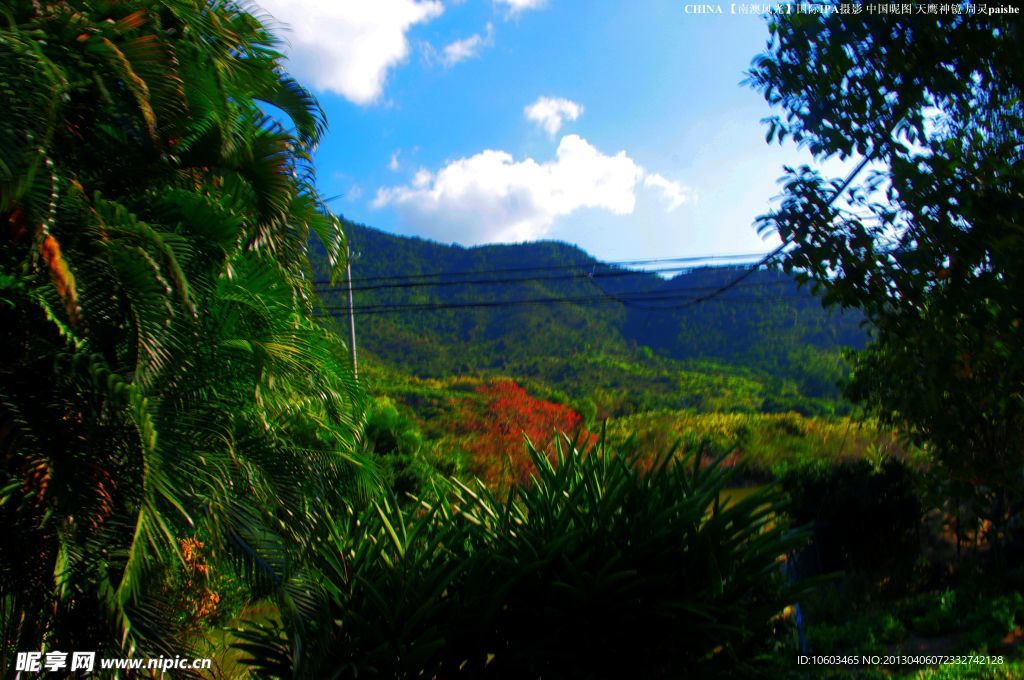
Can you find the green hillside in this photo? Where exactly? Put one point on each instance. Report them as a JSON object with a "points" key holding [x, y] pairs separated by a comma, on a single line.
{"points": [[630, 341]]}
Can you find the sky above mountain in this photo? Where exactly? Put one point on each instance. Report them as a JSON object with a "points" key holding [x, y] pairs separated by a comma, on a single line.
{"points": [[622, 127]]}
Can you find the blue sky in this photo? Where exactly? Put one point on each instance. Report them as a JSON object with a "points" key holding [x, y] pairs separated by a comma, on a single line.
{"points": [[619, 126]]}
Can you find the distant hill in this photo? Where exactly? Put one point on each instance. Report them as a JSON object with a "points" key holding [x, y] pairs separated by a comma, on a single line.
{"points": [[622, 329]]}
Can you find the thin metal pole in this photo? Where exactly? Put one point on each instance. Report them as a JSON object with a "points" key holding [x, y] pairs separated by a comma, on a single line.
{"points": [[351, 313]]}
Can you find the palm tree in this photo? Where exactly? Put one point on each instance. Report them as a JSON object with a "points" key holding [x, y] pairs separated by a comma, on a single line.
{"points": [[163, 377]]}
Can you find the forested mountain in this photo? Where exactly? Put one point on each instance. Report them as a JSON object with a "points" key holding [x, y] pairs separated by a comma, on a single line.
{"points": [[550, 311]]}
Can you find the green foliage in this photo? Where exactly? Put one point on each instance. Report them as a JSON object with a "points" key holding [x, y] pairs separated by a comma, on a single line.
{"points": [[407, 464], [985, 615], [863, 519], [1003, 614], [162, 377], [866, 635], [970, 616], [936, 613], [967, 619], [596, 569], [766, 347], [1009, 670], [929, 246], [770, 445]]}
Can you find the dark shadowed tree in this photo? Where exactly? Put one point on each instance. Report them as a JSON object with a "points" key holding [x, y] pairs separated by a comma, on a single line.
{"points": [[929, 241], [161, 377]]}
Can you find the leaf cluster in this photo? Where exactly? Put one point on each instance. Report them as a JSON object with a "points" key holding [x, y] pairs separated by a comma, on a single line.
{"points": [[596, 568], [162, 375], [930, 245]]}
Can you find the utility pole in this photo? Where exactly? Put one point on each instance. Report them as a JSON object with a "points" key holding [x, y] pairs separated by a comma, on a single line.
{"points": [[351, 312]]}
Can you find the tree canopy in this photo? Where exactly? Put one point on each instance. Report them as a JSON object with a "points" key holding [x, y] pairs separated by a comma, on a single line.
{"points": [[163, 381], [929, 243]]}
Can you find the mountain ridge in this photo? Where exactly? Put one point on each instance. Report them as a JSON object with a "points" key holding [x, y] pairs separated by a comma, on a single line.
{"points": [[494, 314]]}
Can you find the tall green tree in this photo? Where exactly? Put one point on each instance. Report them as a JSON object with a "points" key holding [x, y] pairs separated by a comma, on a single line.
{"points": [[162, 376], [929, 241]]}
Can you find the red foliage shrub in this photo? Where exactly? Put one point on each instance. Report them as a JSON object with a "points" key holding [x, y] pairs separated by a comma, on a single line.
{"points": [[497, 447]]}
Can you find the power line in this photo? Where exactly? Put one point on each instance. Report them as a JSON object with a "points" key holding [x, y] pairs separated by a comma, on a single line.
{"points": [[775, 253], [406, 280], [635, 304], [828, 204], [429, 307], [587, 275], [543, 268], [605, 296], [637, 296]]}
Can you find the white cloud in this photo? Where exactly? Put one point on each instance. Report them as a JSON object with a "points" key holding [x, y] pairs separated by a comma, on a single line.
{"points": [[347, 46], [673, 193], [490, 197], [420, 179], [393, 164], [550, 112], [467, 48], [516, 6]]}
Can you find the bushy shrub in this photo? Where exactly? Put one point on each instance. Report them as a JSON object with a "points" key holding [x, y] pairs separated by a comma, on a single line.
{"points": [[507, 414], [395, 443], [863, 519], [997, 616], [595, 569]]}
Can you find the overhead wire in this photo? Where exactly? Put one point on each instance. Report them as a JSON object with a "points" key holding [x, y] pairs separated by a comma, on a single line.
{"points": [[597, 271], [402, 278], [408, 281], [635, 296], [786, 242], [627, 299]]}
